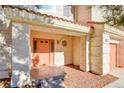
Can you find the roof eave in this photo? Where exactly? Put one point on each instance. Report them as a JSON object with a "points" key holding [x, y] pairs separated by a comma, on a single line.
{"points": [[17, 15], [113, 30]]}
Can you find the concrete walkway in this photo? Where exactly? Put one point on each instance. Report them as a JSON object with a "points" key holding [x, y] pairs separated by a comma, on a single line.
{"points": [[116, 84], [118, 72]]}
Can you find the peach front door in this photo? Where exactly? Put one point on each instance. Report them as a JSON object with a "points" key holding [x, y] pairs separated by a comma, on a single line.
{"points": [[43, 50], [113, 55]]}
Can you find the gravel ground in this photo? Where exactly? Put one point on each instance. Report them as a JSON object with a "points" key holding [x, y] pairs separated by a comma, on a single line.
{"points": [[79, 79]]}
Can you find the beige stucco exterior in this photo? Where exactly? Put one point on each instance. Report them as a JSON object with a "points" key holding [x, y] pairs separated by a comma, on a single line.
{"points": [[83, 14], [117, 39], [87, 46], [101, 38]]}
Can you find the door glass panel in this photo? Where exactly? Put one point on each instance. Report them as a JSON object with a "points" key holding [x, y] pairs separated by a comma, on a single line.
{"points": [[46, 41], [41, 41]]}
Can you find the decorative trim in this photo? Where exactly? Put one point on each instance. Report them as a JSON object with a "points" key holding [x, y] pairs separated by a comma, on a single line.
{"points": [[114, 41], [95, 22], [113, 30]]}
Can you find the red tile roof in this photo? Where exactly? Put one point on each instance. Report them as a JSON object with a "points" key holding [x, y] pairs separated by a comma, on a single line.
{"points": [[95, 22]]}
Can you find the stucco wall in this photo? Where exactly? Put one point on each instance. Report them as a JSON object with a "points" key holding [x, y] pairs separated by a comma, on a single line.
{"points": [[96, 46], [5, 53], [20, 53], [76, 50], [83, 54], [62, 55], [83, 14], [80, 52]]}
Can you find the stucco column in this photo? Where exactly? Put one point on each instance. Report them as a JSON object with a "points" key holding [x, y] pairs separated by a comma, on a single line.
{"points": [[100, 48], [96, 48], [21, 58]]}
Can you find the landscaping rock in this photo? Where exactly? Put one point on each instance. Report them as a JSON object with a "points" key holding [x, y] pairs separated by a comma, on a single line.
{"points": [[48, 77]]}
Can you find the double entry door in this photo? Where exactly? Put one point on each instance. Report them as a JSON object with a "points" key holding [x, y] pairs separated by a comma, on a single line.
{"points": [[43, 48]]}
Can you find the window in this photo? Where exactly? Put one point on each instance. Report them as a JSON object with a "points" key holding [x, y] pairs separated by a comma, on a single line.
{"points": [[41, 41], [47, 8], [46, 41], [67, 11]]}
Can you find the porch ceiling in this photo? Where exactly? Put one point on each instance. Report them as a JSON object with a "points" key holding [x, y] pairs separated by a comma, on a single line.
{"points": [[56, 30], [22, 15]]}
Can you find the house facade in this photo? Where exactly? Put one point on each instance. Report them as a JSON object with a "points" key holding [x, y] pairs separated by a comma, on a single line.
{"points": [[56, 36]]}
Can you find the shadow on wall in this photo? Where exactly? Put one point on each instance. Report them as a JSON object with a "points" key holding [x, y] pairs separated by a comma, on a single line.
{"points": [[20, 53], [4, 21], [5, 45], [20, 46], [5, 53]]}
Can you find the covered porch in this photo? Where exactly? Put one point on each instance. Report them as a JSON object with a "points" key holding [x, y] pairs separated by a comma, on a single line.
{"points": [[67, 47]]}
